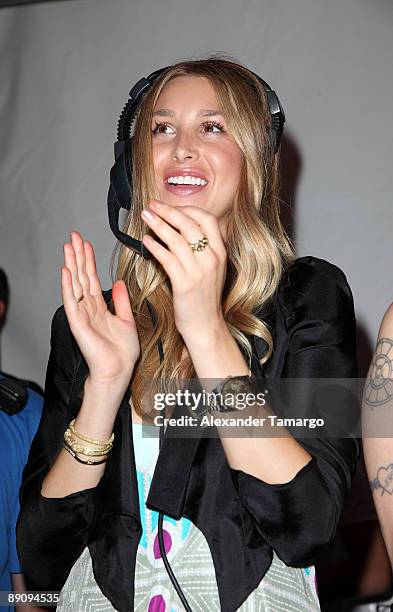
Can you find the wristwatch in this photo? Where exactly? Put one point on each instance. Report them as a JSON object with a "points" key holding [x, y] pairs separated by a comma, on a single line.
{"points": [[223, 396]]}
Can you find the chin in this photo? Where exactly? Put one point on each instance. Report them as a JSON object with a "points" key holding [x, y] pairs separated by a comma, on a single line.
{"points": [[184, 202]]}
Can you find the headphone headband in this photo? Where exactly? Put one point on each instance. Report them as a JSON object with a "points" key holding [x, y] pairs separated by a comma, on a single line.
{"points": [[120, 190]]}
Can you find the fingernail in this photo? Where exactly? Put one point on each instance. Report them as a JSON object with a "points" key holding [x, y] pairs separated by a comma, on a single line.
{"points": [[147, 215], [155, 204]]}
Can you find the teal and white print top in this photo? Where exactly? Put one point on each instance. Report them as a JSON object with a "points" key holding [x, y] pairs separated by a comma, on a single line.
{"points": [[282, 589]]}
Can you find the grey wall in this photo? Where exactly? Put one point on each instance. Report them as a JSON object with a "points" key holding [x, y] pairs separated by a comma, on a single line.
{"points": [[66, 69]]}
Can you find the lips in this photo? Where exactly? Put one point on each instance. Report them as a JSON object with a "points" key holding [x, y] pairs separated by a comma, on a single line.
{"points": [[184, 190]]}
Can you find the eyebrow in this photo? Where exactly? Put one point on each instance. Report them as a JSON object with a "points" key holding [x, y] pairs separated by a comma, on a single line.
{"points": [[166, 112]]}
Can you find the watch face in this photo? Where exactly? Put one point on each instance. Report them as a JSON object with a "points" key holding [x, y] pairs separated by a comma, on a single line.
{"points": [[237, 384], [233, 386]]}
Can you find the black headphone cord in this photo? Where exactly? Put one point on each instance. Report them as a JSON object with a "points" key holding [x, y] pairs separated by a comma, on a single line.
{"points": [[160, 514], [167, 565]]}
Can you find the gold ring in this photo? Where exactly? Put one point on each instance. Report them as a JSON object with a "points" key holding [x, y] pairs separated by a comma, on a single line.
{"points": [[200, 244], [79, 299]]}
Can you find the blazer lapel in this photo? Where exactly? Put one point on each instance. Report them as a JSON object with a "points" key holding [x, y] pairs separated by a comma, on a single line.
{"points": [[172, 471]]}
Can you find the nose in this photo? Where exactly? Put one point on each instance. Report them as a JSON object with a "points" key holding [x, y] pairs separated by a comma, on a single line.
{"points": [[185, 147]]}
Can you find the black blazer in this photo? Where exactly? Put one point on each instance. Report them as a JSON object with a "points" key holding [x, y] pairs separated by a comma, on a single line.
{"points": [[313, 325]]}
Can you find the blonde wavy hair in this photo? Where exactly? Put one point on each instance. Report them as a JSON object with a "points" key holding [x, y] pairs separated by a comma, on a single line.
{"points": [[258, 248]]}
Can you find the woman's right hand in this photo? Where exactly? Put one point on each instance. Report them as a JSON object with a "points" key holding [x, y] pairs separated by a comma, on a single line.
{"points": [[109, 342]]}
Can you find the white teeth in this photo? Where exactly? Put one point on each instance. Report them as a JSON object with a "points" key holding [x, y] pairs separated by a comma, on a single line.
{"points": [[186, 180]]}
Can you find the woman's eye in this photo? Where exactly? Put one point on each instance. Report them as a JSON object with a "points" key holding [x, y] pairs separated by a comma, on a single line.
{"points": [[158, 126], [214, 124]]}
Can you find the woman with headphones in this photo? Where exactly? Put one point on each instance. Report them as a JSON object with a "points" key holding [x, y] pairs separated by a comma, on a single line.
{"points": [[226, 521]]}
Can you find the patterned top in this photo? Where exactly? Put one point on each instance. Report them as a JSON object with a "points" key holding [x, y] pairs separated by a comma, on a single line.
{"points": [[283, 588]]}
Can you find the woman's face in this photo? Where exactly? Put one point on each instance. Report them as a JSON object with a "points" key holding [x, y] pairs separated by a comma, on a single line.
{"points": [[190, 142]]}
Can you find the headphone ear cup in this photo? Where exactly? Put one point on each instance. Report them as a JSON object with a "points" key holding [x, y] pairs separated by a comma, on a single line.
{"points": [[121, 178]]}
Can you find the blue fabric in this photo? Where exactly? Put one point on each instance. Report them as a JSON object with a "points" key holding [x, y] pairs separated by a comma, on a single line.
{"points": [[16, 434]]}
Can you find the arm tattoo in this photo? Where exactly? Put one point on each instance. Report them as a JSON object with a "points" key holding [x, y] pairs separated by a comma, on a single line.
{"points": [[383, 480], [378, 389]]}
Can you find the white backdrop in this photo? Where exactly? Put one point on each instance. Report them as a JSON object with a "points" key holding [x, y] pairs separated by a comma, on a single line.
{"points": [[66, 69]]}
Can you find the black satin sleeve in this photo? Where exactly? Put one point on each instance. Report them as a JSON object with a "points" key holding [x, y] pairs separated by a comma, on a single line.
{"points": [[299, 517], [52, 532]]}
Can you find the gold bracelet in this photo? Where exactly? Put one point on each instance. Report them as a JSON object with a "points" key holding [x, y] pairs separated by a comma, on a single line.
{"points": [[85, 461], [91, 440], [85, 450], [107, 444], [105, 447], [76, 452]]}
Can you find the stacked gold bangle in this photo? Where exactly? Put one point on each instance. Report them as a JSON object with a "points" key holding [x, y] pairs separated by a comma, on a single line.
{"points": [[71, 444]]}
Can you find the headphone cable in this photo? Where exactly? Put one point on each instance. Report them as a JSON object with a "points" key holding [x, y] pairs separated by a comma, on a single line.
{"points": [[163, 552], [161, 543]]}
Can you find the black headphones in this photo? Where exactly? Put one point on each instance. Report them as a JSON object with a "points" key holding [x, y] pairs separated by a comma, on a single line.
{"points": [[120, 189], [120, 196]]}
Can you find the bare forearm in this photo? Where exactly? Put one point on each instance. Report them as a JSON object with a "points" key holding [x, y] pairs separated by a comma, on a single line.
{"points": [[95, 420], [377, 413], [274, 458]]}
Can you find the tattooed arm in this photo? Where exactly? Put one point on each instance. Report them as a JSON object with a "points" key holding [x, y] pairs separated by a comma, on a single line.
{"points": [[377, 418]]}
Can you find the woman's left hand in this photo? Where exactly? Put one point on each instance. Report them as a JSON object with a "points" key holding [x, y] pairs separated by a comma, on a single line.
{"points": [[197, 277]]}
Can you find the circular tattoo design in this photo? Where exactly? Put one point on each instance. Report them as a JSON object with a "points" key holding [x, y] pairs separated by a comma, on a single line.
{"points": [[379, 385]]}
